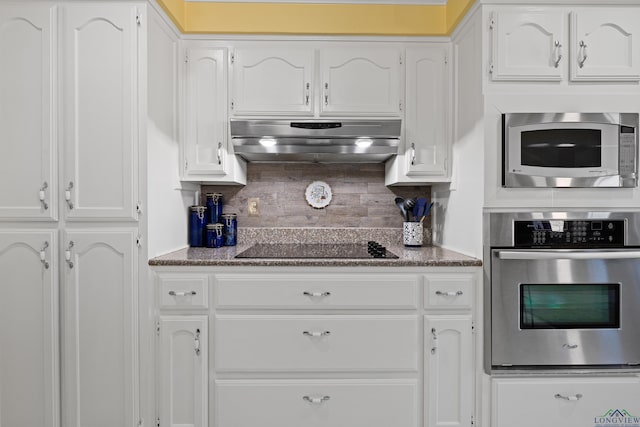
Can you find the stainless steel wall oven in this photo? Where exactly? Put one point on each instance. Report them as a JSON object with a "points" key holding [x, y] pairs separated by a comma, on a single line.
{"points": [[562, 291]]}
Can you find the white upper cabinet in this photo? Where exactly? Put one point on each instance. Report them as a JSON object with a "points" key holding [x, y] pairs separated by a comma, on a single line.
{"points": [[272, 81], [27, 141], [599, 44], [100, 114], [360, 80], [604, 44], [345, 80], [206, 154], [529, 45], [426, 151]]}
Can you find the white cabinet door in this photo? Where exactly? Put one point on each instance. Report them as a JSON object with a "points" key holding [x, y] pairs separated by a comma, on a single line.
{"points": [[100, 131], [426, 137], [360, 80], [29, 374], [604, 44], [27, 137], [183, 371], [449, 371], [426, 152], [566, 402], [206, 154], [205, 140], [99, 326], [273, 80], [529, 44]]}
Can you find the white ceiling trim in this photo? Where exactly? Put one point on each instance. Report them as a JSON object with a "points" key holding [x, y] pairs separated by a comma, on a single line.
{"points": [[392, 2]]}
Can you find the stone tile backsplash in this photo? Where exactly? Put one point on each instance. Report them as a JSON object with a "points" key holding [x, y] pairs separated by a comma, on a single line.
{"points": [[360, 198]]}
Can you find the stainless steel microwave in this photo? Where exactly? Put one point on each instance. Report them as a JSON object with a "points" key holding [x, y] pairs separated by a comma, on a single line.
{"points": [[570, 149]]}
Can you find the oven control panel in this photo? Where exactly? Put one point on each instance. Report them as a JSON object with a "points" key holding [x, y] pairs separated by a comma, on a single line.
{"points": [[569, 233]]}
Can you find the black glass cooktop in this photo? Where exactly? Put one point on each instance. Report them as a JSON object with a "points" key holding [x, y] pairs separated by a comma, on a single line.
{"points": [[317, 250]]}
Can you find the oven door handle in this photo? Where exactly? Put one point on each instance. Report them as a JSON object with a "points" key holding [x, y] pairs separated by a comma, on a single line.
{"points": [[560, 254]]}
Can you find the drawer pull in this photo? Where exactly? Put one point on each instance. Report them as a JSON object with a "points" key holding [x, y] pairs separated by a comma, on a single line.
{"points": [[316, 294], [316, 400], [449, 294], [181, 293], [570, 398], [316, 333], [196, 343]]}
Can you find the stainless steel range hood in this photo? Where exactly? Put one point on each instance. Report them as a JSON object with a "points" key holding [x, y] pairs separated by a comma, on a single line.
{"points": [[318, 141]]}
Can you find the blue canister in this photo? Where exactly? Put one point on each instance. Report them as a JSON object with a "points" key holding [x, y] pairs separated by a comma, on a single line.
{"points": [[230, 221], [214, 207], [197, 222], [215, 235]]}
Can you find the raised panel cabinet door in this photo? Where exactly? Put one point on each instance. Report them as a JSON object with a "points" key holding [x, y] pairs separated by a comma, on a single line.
{"points": [[448, 371], [27, 137], [273, 80], [529, 45], [604, 44], [99, 326], [360, 81], [29, 374], [205, 134], [427, 106], [183, 371], [100, 101]]}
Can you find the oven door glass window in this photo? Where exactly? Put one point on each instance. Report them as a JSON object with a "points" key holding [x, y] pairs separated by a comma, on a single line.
{"points": [[569, 306], [561, 148]]}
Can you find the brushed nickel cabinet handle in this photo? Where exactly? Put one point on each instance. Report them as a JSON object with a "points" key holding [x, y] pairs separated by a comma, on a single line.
{"points": [[316, 400], [316, 294], [583, 53], [42, 195], [569, 398], [316, 333], [449, 294], [67, 195], [181, 293]]}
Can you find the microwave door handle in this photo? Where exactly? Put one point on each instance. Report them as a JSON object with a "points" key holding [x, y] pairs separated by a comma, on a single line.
{"points": [[550, 255]]}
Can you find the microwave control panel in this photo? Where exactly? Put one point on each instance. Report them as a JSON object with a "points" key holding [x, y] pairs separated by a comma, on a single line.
{"points": [[627, 156], [569, 233]]}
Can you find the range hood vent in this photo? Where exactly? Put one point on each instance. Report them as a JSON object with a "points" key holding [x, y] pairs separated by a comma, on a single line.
{"points": [[317, 141]]}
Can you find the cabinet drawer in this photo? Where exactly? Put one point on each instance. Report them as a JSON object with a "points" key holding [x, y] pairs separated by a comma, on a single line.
{"points": [[448, 291], [317, 403], [326, 292], [183, 291], [567, 402], [316, 343]]}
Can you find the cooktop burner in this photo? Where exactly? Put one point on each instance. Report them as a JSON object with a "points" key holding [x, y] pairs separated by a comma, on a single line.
{"points": [[317, 250]]}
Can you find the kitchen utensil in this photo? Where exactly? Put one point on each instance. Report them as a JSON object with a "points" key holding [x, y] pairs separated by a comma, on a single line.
{"points": [[400, 203], [408, 206], [420, 206], [426, 211]]}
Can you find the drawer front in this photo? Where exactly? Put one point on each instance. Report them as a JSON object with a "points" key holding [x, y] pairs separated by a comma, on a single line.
{"points": [[325, 291], [317, 403], [316, 343], [564, 402], [183, 291], [449, 291]]}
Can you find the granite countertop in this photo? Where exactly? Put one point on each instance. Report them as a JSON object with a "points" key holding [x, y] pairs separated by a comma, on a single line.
{"points": [[425, 256]]}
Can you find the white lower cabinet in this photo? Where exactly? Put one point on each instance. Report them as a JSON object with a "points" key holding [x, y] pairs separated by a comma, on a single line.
{"points": [[330, 347], [317, 403], [566, 402], [184, 371], [448, 370], [29, 377]]}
